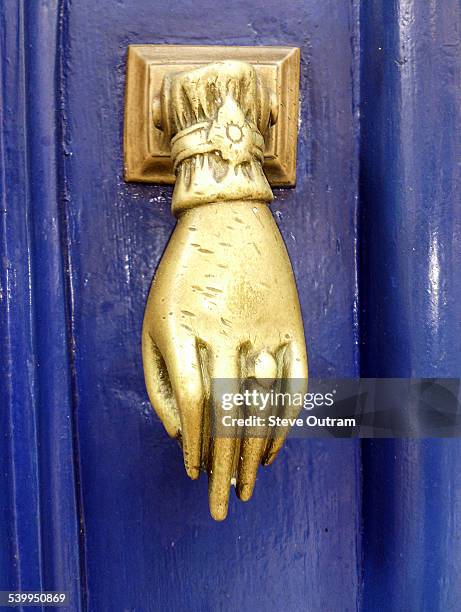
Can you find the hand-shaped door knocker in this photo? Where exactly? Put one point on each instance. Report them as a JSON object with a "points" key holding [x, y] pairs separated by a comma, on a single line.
{"points": [[223, 304]]}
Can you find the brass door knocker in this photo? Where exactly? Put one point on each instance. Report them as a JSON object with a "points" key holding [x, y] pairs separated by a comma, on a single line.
{"points": [[223, 304]]}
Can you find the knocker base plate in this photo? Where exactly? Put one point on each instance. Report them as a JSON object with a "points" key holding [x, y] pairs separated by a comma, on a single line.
{"points": [[146, 149]]}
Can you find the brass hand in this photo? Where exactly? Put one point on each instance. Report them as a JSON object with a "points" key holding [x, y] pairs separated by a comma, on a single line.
{"points": [[223, 304]]}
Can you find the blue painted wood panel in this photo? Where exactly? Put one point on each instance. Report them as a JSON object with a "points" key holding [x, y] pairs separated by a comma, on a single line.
{"points": [[410, 291], [39, 526], [150, 542], [93, 495]]}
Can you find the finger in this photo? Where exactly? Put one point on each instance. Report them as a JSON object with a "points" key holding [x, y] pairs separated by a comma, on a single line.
{"points": [[223, 460], [262, 368], [251, 452], [294, 382], [159, 387], [183, 361]]}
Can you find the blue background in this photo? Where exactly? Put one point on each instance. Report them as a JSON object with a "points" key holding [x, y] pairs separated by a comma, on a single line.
{"points": [[93, 495]]}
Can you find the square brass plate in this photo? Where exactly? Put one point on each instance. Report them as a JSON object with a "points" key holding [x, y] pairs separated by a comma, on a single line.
{"points": [[147, 151]]}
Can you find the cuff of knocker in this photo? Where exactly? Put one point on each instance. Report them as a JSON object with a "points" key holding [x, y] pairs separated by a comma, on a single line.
{"points": [[233, 143]]}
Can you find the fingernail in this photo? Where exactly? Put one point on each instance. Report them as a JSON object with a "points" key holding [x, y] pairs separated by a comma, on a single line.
{"points": [[193, 473], [246, 492], [218, 511]]}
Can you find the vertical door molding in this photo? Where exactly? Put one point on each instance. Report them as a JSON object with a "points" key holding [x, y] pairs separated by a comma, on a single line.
{"points": [[40, 527], [410, 291]]}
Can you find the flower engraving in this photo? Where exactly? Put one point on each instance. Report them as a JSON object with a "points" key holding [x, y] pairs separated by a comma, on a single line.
{"points": [[232, 135]]}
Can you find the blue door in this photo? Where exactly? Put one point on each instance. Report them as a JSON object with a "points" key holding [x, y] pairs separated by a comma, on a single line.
{"points": [[94, 498]]}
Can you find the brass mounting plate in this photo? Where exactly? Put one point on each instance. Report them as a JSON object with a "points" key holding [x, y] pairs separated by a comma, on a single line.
{"points": [[147, 151]]}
